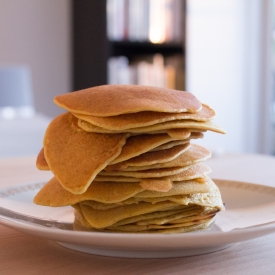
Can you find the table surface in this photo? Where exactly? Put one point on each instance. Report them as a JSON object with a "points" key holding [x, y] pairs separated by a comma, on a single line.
{"points": [[25, 254]]}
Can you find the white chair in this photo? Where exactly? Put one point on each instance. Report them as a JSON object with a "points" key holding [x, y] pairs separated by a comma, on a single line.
{"points": [[21, 129], [16, 96]]}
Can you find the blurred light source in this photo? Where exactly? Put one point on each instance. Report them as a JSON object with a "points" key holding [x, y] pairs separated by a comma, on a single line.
{"points": [[16, 97], [157, 28]]}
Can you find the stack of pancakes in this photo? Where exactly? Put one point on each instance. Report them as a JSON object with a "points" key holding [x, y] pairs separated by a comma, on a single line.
{"points": [[122, 158]]}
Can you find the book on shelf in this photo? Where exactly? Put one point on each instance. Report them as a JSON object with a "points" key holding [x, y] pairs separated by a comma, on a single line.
{"points": [[157, 21], [150, 70], [116, 19]]}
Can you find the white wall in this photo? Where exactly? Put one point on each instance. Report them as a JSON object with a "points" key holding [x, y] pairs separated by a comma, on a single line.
{"points": [[37, 33], [226, 52]]}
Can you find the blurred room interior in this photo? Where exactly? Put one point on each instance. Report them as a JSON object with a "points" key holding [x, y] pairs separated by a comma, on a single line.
{"points": [[220, 50]]}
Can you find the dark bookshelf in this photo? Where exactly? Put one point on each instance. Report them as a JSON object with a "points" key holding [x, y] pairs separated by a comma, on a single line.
{"points": [[92, 48]]}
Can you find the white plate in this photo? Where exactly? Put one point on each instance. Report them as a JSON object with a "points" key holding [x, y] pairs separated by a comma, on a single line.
{"points": [[19, 199]]}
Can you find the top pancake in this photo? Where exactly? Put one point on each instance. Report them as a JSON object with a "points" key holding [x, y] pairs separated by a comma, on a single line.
{"points": [[112, 100]]}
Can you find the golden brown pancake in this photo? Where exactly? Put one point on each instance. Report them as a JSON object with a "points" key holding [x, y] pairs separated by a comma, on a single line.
{"points": [[194, 154], [189, 187], [112, 100], [179, 188], [156, 128], [177, 134], [74, 156], [101, 219], [145, 228], [170, 145], [136, 145], [210, 198], [142, 119], [183, 218], [41, 162], [159, 215], [149, 173], [83, 225], [151, 158], [53, 194], [173, 143], [195, 171], [186, 215], [198, 170], [159, 185]]}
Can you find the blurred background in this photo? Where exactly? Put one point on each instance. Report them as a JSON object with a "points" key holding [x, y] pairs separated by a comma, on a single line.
{"points": [[220, 50]]}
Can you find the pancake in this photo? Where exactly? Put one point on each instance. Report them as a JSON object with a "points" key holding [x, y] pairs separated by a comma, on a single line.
{"points": [[179, 133], [78, 226], [112, 100], [101, 219], [179, 188], [189, 188], [194, 154], [188, 215], [136, 145], [142, 119], [159, 185], [170, 144], [173, 143], [159, 215], [211, 199], [156, 128], [198, 170], [149, 173], [146, 228], [195, 172], [68, 149], [53, 194], [151, 158], [191, 156], [187, 219], [41, 162]]}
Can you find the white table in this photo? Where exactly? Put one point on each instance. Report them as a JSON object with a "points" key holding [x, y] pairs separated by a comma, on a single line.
{"points": [[24, 254]]}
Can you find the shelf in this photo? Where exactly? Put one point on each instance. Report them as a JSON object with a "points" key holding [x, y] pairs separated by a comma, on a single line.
{"points": [[131, 49]]}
